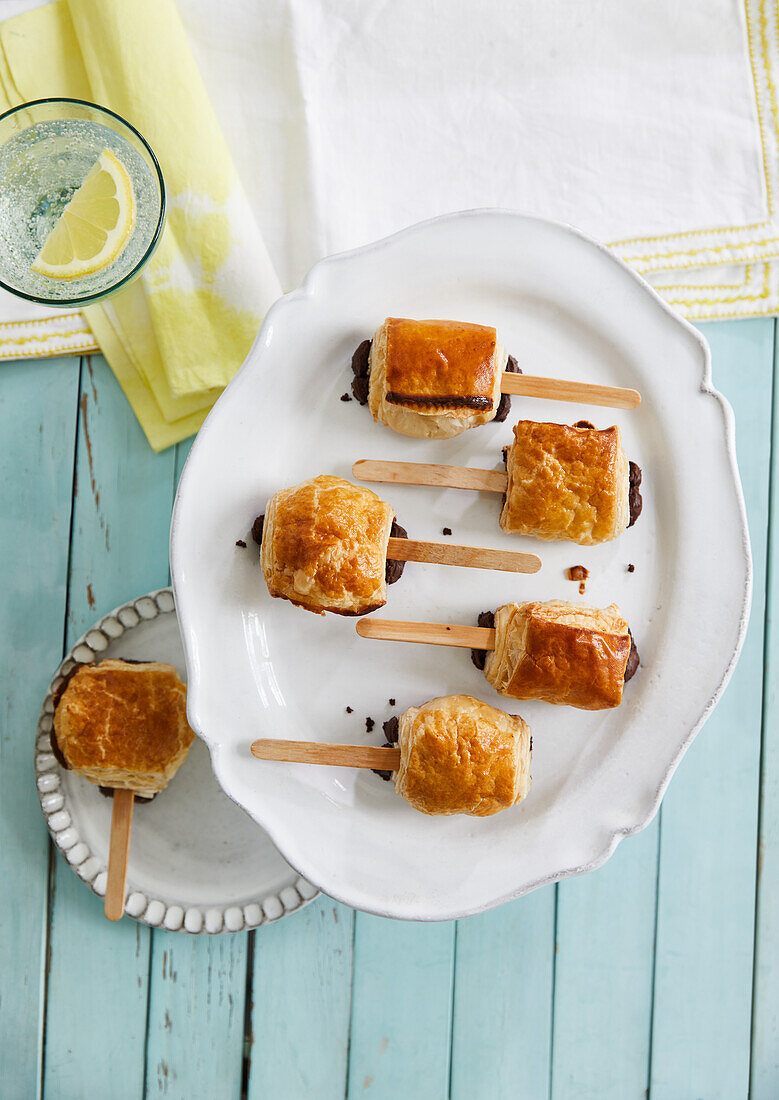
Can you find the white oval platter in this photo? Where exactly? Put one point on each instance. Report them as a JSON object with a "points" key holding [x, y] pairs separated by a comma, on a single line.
{"points": [[565, 307], [197, 864]]}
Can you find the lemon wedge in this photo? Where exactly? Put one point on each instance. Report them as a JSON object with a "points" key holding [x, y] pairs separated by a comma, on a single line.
{"points": [[95, 225]]}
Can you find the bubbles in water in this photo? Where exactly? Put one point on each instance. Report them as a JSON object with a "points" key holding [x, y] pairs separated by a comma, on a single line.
{"points": [[40, 170]]}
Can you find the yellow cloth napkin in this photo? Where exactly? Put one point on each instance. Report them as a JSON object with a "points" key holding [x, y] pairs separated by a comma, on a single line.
{"points": [[176, 336]]}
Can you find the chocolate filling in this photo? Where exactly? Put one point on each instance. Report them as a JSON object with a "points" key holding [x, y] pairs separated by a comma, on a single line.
{"points": [[634, 496], [444, 401], [395, 568], [504, 405], [584, 424], [633, 659], [108, 792], [361, 372], [479, 656], [390, 728], [257, 527]]}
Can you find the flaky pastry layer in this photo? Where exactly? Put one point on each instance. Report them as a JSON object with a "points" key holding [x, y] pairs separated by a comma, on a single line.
{"points": [[459, 755], [124, 725], [324, 546], [434, 379], [560, 653], [566, 482]]}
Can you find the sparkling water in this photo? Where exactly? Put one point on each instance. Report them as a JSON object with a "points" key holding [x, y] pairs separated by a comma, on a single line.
{"points": [[40, 170]]}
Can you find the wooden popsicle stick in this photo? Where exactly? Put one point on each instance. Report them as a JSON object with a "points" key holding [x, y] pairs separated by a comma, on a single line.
{"points": [[473, 557], [119, 850], [316, 752], [428, 473], [557, 389], [395, 630]]}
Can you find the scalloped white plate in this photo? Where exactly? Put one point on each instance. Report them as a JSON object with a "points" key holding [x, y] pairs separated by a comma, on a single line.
{"points": [[260, 667], [197, 864]]}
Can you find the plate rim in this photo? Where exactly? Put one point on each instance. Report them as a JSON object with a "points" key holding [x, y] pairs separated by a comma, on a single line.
{"points": [[205, 919], [306, 290]]}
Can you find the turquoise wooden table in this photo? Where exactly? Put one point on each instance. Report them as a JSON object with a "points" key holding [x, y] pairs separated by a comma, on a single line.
{"points": [[657, 975]]}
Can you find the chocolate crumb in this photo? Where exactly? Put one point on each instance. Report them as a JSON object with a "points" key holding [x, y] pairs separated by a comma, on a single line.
{"points": [[631, 568], [369, 724], [390, 728], [634, 494], [394, 570], [350, 710], [447, 531], [580, 574], [479, 656], [392, 702], [241, 543], [504, 405], [633, 659], [345, 397]]}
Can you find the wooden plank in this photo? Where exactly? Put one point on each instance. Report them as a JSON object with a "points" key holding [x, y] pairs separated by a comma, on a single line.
{"points": [[301, 993], [504, 977], [38, 429], [765, 1025], [603, 976], [96, 1014], [401, 1009], [196, 1015], [708, 830]]}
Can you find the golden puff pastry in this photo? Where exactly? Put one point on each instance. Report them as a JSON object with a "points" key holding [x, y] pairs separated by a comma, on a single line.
{"points": [[569, 482], [561, 653], [324, 546], [461, 756], [123, 725], [433, 379]]}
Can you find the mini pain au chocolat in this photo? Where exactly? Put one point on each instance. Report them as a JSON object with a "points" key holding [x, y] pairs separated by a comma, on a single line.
{"points": [[461, 756], [324, 546], [569, 482], [123, 725], [432, 379], [560, 653]]}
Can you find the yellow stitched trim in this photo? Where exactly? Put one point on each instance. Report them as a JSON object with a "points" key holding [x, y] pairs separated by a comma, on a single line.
{"points": [[709, 286], [765, 292], [694, 234], [52, 336], [42, 321]]}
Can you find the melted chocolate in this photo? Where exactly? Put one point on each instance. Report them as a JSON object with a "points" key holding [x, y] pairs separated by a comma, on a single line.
{"points": [[257, 527], [360, 370], [479, 656], [584, 424], [390, 728], [395, 568], [504, 405], [634, 496], [633, 659], [443, 401]]}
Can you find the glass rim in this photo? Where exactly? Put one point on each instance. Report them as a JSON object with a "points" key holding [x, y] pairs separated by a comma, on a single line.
{"points": [[87, 299]]}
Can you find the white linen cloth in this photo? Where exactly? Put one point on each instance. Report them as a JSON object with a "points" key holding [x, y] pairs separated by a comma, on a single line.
{"points": [[650, 124]]}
